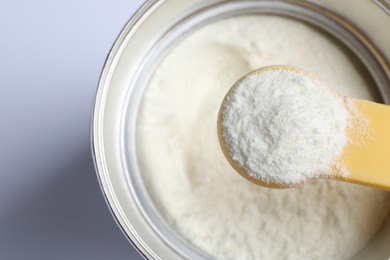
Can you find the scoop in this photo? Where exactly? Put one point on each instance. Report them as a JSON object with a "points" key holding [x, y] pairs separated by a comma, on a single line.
{"points": [[367, 164]]}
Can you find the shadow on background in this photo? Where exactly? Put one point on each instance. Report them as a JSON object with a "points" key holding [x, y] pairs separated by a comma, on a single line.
{"points": [[68, 216]]}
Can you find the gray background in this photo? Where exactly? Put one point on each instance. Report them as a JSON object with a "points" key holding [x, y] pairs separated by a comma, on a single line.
{"points": [[51, 56]]}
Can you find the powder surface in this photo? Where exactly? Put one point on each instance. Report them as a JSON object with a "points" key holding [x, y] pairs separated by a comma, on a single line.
{"points": [[283, 127], [191, 183]]}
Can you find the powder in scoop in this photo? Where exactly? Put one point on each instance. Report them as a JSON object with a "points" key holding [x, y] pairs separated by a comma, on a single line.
{"points": [[280, 126]]}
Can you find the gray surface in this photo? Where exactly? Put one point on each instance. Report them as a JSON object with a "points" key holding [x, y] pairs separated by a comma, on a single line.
{"points": [[51, 55]]}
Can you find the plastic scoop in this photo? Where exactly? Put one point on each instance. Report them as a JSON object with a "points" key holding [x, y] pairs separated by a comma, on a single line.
{"points": [[367, 164]]}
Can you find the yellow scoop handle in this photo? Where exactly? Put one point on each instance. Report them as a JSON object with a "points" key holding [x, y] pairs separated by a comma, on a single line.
{"points": [[369, 164]]}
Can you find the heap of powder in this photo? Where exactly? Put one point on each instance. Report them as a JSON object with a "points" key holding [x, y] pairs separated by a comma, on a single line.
{"points": [[188, 178], [280, 126]]}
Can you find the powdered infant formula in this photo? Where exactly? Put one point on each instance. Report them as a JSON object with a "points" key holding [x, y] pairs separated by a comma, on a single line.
{"points": [[193, 186]]}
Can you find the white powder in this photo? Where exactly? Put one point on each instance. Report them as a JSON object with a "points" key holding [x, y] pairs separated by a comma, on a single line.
{"points": [[189, 179], [280, 126]]}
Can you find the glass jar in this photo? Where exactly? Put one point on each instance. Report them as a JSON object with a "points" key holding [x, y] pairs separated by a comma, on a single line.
{"points": [[362, 26]]}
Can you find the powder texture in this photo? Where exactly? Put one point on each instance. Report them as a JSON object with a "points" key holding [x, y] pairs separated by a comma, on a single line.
{"points": [[191, 183], [283, 127]]}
